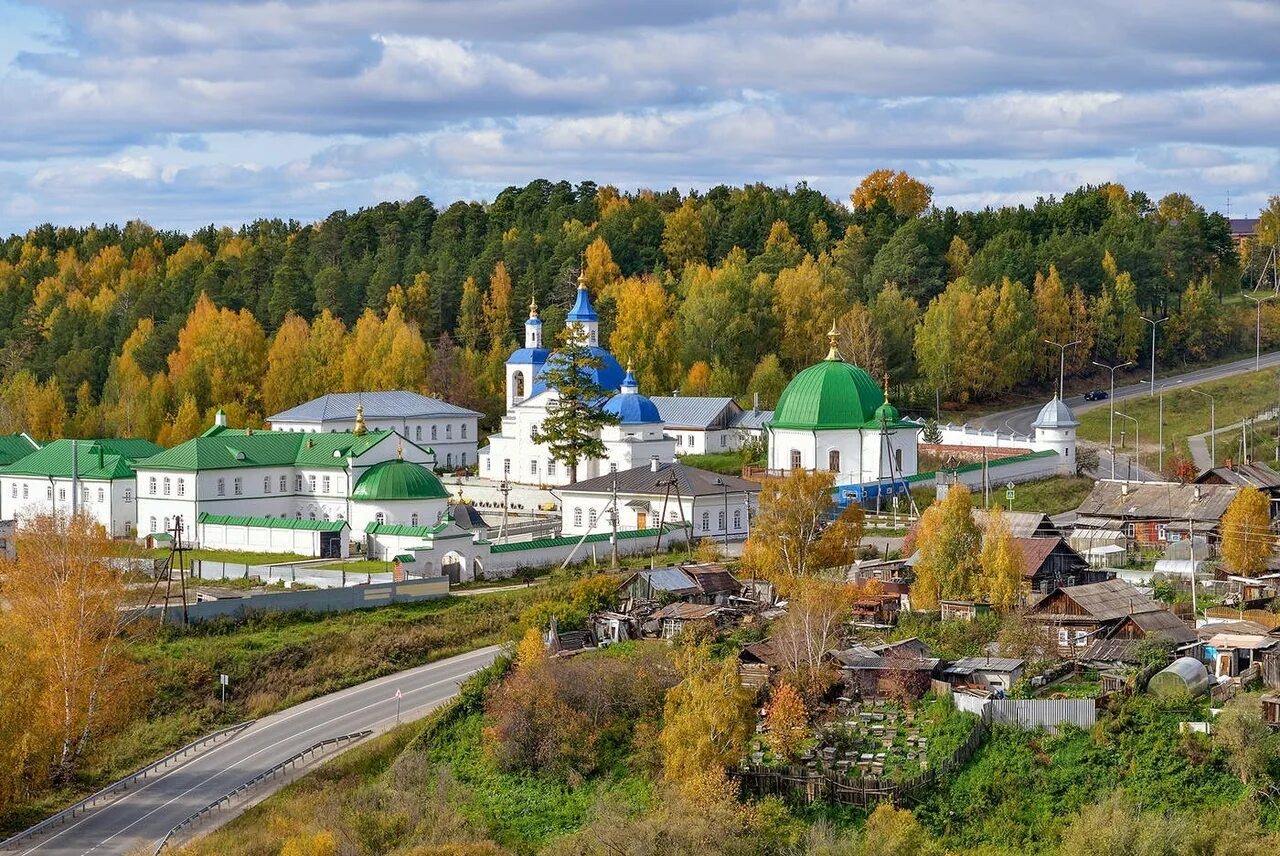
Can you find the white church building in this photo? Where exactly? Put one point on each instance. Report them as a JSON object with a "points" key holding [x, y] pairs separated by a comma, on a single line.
{"points": [[636, 438]]}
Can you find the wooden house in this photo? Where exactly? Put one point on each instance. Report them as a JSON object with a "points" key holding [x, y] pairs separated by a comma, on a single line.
{"points": [[1103, 621], [896, 669], [1050, 563], [1151, 514]]}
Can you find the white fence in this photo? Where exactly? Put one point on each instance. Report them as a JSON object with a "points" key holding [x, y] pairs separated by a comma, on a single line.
{"points": [[1049, 714]]}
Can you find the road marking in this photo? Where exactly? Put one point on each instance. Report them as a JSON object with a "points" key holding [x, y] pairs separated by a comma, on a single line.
{"points": [[268, 723]]}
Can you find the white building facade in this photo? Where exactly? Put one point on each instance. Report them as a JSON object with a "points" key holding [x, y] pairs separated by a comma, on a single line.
{"points": [[451, 431]]}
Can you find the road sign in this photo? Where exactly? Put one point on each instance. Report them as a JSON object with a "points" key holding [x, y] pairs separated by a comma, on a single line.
{"points": [[1008, 494], [399, 695], [224, 679]]}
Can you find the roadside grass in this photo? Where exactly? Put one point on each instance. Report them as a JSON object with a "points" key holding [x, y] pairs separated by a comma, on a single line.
{"points": [[234, 557], [725, 463], [1186, 414], [1052, 495], [274, 661]]}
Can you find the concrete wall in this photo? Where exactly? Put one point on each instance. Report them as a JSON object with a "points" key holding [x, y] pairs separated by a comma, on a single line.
{"points": [[507, 562], [320, 600], [304, 542]]}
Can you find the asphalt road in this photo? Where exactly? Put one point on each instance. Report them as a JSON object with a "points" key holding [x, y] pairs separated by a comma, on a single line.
{"points": [[140, 818], [1020, 418]]}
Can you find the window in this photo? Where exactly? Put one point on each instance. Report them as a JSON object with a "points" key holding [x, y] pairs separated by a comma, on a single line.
{"points": [[49, 494], [182, 487], [720, 521], [298, 515], [448, 432], [311, 484], [533, 467], [325, 482], [591, 518], [14, 490], [724, 440], [433, 432], [1082, 638], [153, 524], [380, 518], [312, 515], [166, 524], [486, 464], [706, 521], [464, 459], [166, 486], [237, 487], [266, 484], [417, 432], [577, 517], [533, 432], [448, 460], [463, 429], [297, 484], [517, 385], [737, 519], [151, 485], [128, 494], [413, 519], [101, 495], [284, 484], [613, 467], [24, 491], [795, 459], [506, 466], [222, 487], [551, 466], [690, 441], [833, 460], [62, 493], [897, 459], [679, 439], [1064, 637]]}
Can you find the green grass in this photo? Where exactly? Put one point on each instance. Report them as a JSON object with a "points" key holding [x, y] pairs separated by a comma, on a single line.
{"points": [[234, 557], [1051, 496], [725, 463], [1186, 414]]}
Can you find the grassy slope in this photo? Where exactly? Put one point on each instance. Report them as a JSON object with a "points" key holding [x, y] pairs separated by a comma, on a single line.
{"points": [[274, 662], [1052, 495]]}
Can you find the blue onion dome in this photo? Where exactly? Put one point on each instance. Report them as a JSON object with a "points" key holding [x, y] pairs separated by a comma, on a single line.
{"points": [[582, 310], [630, 406]]}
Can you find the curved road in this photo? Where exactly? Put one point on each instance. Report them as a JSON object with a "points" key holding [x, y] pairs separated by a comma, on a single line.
{"points": [[140, 818], [1020, 418]]}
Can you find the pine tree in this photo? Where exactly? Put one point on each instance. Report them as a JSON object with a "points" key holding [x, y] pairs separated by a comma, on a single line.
{"points": [[932, 434], [571, 430]]}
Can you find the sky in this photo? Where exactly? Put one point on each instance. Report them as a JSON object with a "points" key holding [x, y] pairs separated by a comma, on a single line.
{"points": [[185, 114]]}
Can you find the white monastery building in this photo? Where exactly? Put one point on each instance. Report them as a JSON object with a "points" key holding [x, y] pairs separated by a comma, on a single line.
{"points": [[358, 477], [451, 431]]}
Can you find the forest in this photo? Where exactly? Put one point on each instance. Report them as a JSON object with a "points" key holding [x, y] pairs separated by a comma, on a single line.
{"points": [[135, 331]]}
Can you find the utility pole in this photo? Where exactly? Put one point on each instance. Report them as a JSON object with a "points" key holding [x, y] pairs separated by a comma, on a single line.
{"points": [[505, 489], [1213, 428], [1062, 363], [1257, 329], [724, 489], [613, 518], [1111, 422], [1137, 439], [1154, 325], [1160, 393]]}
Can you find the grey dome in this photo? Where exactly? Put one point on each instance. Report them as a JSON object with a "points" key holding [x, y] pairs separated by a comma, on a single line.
{"points": [[1055, 414]]}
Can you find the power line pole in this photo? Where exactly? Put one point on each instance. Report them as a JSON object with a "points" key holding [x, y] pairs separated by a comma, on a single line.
{"points": [[1062, 362], [1111, 423], [1154, 325], [613, 517]]}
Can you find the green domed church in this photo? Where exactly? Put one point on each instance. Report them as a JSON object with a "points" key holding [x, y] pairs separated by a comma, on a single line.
{"points": [[834, 416]]}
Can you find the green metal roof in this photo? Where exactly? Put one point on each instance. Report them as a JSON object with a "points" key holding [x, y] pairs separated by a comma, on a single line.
{"points": [[98, 460], [830, 394], [428, 532], [272, 522], [14, 447], [234, 448], [397, 480], [566, 540]]}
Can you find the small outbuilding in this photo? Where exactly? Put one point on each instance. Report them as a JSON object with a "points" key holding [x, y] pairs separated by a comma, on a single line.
{"points": [[985, 673]]}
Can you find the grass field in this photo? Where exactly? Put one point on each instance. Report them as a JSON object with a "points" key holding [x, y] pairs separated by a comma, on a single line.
{"points": [[1052, 496], [1186, 414], [234, 557]]}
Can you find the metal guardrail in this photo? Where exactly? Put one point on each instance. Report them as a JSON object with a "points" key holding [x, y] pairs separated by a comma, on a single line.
{"points": [[88, 802], [226, 798]]}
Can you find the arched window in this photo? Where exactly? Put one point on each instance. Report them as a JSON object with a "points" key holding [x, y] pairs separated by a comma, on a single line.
{"points": [[153, 525], [448, 460], [433, 432], [706, 521], [222, 487], [284, 484], [236, 484], [151, 485], [413, 519], [833, 460], [380, 518], [182, 487], [795, 459], [448, 432], [517, 385], [417, 432], [166, 486], [591, 518], [101, 495], [737, 519], [266, 484], [897, 459], [166, 524], [720, 519], [464, 430], [577, 517]]}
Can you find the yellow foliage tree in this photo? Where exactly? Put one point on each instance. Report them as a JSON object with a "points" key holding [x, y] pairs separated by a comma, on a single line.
{"points": [[786, 722], [684, 237], [221, 356], [949, 542], [905, 195], [646, 335], [698, 380], [497, 308], [1002, 563], [599, 270], [707, 719], [807, 298], [1247, 539], [791, 537]]}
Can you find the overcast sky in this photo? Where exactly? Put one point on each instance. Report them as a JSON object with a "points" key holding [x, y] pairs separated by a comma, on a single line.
{"points": [[196, 112]]}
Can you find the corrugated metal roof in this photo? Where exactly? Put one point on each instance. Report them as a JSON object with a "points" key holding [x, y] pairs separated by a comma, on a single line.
{"points": [[1158, 501], [271, 522], [687, 611], [237, 448], [95, 459], [539, 543], [390, 404], [1107, 600], [1022, 524], [644, 481], [696, 412], [1254, 474], [969, 665], [14, 447]]}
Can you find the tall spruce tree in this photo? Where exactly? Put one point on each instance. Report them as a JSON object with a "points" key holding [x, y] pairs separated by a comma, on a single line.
{"points": [[571, 430]]}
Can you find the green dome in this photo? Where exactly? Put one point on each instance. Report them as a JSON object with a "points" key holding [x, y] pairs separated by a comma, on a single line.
{"points": [[887, 414], [830, 394], [392, 480]]}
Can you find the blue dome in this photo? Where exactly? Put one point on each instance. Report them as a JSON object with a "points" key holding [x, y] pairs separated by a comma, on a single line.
{"points": [[632, 408], [537, 356], [608, 376], [582, 309], [533, 322]]}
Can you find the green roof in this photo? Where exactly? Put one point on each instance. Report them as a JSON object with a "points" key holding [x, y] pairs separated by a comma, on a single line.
{"points": [[395, 480], [566, 540], [272, 522], [428, 532], [832, 394], [14, 447], [233, 448], [96, 460]]}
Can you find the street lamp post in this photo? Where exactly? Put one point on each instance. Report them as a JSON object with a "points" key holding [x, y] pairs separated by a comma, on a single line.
{"points": [[1062, 361], [1154, 324], [1111, 421], [1257, 329], [1137, 446], [1160, 392], [724, 489], [1213, 428]]}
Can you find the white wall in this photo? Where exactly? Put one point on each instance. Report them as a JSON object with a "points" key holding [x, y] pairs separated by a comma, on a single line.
{"points": [[864, 456], [452, 437], [304, 542], [109, 503], [576, 513], [428, 513]]}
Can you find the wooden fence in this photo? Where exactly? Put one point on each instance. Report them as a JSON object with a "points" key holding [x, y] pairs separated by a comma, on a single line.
{"points": [[1269, 620], [807, 786]]}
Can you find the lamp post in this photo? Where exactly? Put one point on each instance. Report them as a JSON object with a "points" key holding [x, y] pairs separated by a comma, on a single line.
{"points": [[1111, 421], [1062, 361], [1154, 324], [1137, 447], [1160, 392], [1257, 329], [1213, 428], [724, 490]]}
